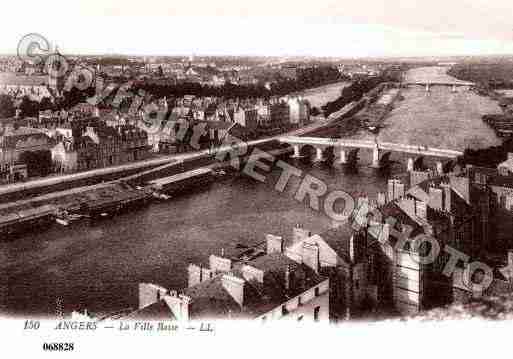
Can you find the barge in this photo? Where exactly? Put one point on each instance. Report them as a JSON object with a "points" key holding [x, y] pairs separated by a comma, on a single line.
{"points": [[25, 220], [109, 204], [183, 182]]}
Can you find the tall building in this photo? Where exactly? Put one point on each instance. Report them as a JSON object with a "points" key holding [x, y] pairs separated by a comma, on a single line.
{"points": [[299, 111], [451, 210], [56, 73], [246, 116], [279, 115]]}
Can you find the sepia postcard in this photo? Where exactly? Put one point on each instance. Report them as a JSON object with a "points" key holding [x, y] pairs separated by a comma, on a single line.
{"points": [[325, 178]]}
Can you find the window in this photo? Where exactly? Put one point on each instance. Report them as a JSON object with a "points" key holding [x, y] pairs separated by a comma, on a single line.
{"points": [[317, 310], [316, 291], [502, 201], [356, 284], [299, 302], [284, 310]]}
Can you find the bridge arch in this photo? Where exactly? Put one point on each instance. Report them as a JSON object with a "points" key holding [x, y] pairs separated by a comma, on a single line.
{"points": [[418, 163], [448, 166], [307, 151], [384, 159], [328, 153]]}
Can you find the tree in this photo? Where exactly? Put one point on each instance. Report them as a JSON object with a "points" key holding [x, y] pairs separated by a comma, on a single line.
{"points": [[7, 108], [315, 111], [29, 107], [39, 163], [45, 104]]}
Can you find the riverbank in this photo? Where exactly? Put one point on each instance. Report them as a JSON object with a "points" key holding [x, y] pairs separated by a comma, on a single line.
{"points": [[111, 198], [439, 118], [98, 264]]}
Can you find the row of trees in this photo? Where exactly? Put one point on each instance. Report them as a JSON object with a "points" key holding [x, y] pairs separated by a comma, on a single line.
{"points": [[488, 75], [39, 163], [28, 107], [353, 92], [306, 78], [190, 88], [7, 108], [487, 157]]}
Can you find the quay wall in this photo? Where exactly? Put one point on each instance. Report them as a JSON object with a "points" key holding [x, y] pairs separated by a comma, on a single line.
{"points": [[37, 188]]}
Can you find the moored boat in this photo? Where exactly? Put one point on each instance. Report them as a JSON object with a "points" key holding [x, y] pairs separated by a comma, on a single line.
{"points": [[183, 182]]}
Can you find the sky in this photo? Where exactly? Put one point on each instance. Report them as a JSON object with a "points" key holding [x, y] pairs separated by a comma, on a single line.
{"points": [[336, 28]]}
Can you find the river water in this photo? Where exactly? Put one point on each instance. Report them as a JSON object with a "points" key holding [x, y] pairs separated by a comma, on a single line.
{"points": [[98, 265]]}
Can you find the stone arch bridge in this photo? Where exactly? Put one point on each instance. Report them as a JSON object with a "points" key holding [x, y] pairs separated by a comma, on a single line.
{"points": [[380, 150]]}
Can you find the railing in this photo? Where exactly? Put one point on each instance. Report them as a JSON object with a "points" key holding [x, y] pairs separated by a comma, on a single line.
{"points": [[397, 147]]}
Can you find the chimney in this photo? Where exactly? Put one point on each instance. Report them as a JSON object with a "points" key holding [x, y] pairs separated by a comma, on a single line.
{"points": [[287, 277], [219, 264], [299, 234], [251, 273], [195, 275], [234, 286], [274, 244], [447, 196], [357, 245], [421, 209], [381, 199], [310, 255], [206, 274], [150, 293], [461, 185], [510, 258], [185, 302], [352, 250], [436, 200], [179, 305], [384, 234]]}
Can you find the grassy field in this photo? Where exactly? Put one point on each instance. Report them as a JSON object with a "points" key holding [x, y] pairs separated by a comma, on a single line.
{"points": [[439, 118]]}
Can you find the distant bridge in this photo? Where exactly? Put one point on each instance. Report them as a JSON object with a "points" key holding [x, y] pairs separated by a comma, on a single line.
{"points": [[440, 83], [380, 150], [429, 84]]}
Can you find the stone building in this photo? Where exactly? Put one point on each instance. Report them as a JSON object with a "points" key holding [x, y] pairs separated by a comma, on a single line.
{"points": [[279, 114], [499, 184], [451, 210], [246, 116], [102, 146], [340, 254], [268, 286], [64, 157], [299, 111], [16, 143], [506, 168]]}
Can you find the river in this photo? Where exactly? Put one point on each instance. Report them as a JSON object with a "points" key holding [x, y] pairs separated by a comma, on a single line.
{"points": [[98, 265]]}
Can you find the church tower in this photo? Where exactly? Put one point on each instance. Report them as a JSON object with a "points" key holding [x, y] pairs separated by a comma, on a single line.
{"points": [[55, 76]]}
